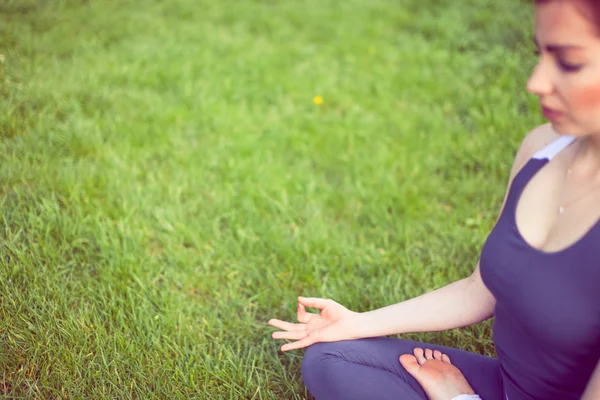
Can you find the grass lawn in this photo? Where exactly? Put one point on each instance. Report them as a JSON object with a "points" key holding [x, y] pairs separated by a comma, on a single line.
{"points": [[168, 181]]}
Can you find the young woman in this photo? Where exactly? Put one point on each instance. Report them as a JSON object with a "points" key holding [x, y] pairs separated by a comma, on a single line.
{"points": [[538, 274]]}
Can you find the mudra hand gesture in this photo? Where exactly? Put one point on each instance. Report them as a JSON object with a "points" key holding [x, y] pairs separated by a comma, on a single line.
{"points": [[334, 322]]}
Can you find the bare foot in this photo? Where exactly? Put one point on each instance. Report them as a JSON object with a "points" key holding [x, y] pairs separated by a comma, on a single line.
{"points": [[439, 378]]}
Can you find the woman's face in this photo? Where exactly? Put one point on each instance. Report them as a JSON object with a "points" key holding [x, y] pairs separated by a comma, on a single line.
{"points": [[567, 76]]}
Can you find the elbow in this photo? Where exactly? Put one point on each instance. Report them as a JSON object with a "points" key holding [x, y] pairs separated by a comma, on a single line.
{"points": [[481, 297]]}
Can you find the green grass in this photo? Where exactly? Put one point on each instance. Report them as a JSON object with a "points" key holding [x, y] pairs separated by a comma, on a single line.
{"points": [[167, 184]]}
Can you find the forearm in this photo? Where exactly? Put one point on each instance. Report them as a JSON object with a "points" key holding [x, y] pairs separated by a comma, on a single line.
{"points": [[461, 303]]}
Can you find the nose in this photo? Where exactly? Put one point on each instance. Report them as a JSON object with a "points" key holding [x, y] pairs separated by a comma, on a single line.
{"points": [[540, 81]]}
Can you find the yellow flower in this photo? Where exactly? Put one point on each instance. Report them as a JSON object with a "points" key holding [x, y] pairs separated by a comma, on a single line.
{"points": [[318, 100]]}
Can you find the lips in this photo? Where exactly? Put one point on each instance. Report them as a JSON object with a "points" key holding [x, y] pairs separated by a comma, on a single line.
{"points": [[550, 114]]}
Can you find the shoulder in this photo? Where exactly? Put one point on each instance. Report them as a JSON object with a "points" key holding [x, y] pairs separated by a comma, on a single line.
{"points": [[537, 139], [534, 141]]}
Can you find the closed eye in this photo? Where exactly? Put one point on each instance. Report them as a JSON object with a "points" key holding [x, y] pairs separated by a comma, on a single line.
{"points": [[569, 67]]}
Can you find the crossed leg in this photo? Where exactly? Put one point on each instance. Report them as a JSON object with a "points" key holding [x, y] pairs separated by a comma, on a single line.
{"points": [[370, 369]]}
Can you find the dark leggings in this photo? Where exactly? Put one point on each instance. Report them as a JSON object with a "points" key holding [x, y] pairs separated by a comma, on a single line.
{"points": [[369, 369]]}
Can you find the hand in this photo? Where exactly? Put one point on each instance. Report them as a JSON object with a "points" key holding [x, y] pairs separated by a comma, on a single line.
{"points": [[335, 322]]}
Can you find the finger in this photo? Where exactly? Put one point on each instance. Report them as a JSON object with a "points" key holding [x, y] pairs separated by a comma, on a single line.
{"points": [[287, 326], [303, 316], [300, 344], [313, 302], [437, 355], [294, 335], [446, 359], [418, 352], [428, 354]]}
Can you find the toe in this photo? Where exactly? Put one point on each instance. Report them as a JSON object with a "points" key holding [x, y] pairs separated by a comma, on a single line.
{"points": [[410, 364], [446, 359], [418, 352], [437, 355], [428, 354]]}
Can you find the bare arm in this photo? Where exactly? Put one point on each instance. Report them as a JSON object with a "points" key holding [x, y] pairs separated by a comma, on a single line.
{"points": [[461, 303]]}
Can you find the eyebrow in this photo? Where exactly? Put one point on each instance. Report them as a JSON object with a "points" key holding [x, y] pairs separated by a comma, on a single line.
{"points": [[553, 48]]}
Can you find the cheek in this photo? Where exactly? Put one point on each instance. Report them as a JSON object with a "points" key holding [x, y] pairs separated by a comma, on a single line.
{"points": [[584, 101], [581, 99]]}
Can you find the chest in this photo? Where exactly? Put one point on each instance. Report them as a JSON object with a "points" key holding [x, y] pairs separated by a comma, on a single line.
{"points": [[536, 208], [554, 298]]}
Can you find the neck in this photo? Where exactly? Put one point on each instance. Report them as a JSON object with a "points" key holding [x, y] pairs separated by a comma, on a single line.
{"points": [[587, 160]]}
